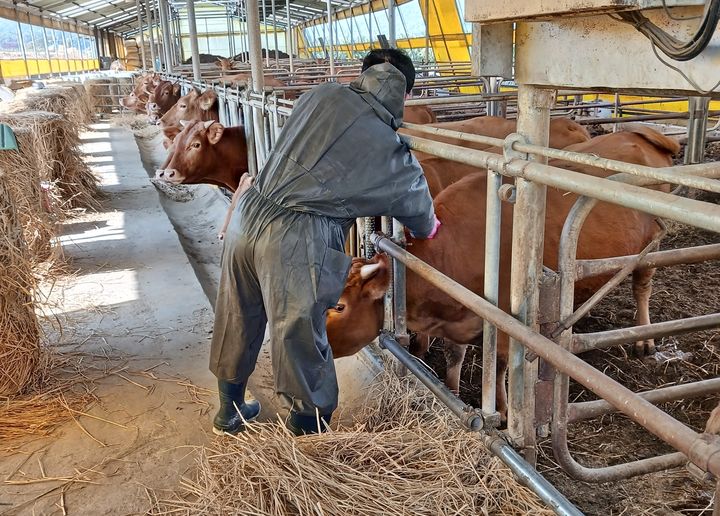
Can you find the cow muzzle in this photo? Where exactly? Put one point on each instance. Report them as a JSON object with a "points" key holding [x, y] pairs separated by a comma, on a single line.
{"points": [[170, 175]]}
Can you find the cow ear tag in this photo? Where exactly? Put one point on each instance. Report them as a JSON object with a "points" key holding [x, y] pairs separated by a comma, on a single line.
{"points": [[7, 138]]}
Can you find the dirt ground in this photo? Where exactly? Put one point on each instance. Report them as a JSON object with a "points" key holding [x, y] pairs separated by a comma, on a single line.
{"points": [[678, 292]]}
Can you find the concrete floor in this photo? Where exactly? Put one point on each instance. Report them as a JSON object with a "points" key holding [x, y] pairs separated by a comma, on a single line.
{"points": [[134, 303]]}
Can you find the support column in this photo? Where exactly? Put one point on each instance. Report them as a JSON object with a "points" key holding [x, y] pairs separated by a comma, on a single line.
{"points": [[526, 268], [167, 45], [258, 81], [192, 29], [331, 38], [289, 38], [47, 50], [142, 35], [148, 15], [267, 40], [392, 12], [272, 10], [697, 129]]}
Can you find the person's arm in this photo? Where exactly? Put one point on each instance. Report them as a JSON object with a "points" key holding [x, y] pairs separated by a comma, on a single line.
{"points": [[413, 205], [246, 182]]}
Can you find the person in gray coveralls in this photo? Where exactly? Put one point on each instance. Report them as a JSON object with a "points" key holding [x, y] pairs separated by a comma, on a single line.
{"points": [[337, 158]]}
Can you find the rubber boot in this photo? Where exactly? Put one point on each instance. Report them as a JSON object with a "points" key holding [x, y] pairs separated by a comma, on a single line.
{"points": [[228, 419], [304, 425]]}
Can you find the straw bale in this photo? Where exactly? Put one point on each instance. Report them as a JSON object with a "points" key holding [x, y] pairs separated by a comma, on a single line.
{"points": [[33, 198], [405, 455], [67, 99], [19, 331], [56, 145]]}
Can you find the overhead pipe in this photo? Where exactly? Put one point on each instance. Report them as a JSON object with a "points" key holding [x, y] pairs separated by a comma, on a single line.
{"points": [[192, 30]]}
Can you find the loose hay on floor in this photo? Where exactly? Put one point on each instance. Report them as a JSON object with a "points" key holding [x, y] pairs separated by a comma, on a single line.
{"points": [[19, 332], [407, 455]]}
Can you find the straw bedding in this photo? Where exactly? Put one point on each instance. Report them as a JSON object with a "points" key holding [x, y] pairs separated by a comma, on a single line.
{"points": [[19, 332], [406, 455], [64, 98]]}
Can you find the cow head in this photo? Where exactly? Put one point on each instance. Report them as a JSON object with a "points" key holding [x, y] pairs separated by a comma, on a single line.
{"points": [[162, 99], [358, 316], [191, 158], [138, 97], [193, 106]]}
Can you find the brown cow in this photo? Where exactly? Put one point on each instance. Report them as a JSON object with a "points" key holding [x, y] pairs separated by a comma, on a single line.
{"points": [[563, 132], [206, 152], [162, 99], [609, 231], [138, 97], [419, 115], [193, 106]]}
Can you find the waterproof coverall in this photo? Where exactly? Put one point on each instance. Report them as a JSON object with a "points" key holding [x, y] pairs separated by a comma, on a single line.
{"points": [[337, 158]]}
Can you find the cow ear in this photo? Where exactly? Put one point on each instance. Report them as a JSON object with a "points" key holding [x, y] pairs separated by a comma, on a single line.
{"points": [[215, 132], [176, 89], [171, 132], [207, 100]]}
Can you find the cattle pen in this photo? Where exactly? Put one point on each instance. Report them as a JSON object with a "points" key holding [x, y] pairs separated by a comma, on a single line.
{"points": [[572, 150]]}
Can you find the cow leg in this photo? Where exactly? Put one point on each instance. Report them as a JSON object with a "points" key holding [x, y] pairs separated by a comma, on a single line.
{"points": [[420, 345], [454, 356], [642, 288]]}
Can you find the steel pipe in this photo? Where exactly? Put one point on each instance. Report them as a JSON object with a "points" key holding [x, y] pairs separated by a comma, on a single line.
{"points": [[591, 409], [673, 175], [468, 415], [194, 50], [582, 342], [697, 129], [392, 11], [289, 37], [599, 267], [687, 211], [529, 477], [704, 452], [491, 289], [275, 37]]}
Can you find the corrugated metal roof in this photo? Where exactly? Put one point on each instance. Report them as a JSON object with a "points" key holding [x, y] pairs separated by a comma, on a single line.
{"points": [[120, 16]]}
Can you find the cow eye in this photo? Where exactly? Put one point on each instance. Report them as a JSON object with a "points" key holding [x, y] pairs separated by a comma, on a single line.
{"points": [[182, 106], [196, 145], [339, 307]]}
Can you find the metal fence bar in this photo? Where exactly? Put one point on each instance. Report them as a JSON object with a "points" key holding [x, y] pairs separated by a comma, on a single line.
{"points": [[688, 211], [590, 409], [590, 268], [702, 451]]}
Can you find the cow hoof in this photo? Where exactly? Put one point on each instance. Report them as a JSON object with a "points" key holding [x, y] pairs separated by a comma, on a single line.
{"points": [[644, 348]]}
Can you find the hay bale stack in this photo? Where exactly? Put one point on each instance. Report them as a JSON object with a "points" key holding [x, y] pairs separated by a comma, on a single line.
{"points": [[67, 99], [56, 143], [33, 198], [19, 332]]}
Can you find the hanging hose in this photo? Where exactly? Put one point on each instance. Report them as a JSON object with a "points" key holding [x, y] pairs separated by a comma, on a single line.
{"points": [[669, 45]]}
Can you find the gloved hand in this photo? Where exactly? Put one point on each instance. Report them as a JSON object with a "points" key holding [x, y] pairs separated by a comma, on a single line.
{"points": [[436, 226], [435, 229]]}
